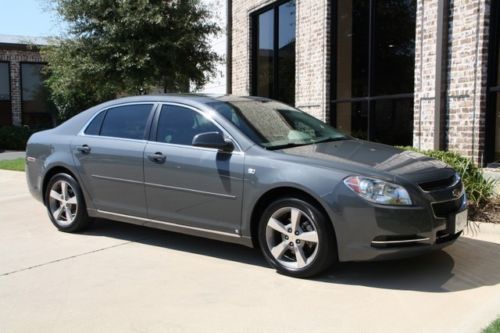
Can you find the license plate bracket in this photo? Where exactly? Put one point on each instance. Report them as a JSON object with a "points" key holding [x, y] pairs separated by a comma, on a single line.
{"points": [[458, 222]]}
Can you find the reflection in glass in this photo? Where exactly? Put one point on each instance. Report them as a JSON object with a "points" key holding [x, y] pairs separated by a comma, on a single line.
{"points": [[265, 54], [352, 118], [4, 82], [375, 56], [394, 47], [5, 109], [497, 126], [286, 53], [393, 121], [275, 78], [38, 110]]}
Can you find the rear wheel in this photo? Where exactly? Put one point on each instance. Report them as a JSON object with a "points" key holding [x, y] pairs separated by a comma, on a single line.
{"points": [[296, 239], [65, 203]]}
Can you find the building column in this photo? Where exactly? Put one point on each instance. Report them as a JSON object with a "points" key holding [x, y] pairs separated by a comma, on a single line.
{"points": [[465, 76], [312, 64]]}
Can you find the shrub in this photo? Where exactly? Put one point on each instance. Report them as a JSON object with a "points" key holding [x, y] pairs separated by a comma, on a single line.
{"points": [[480, 191], [14, 137]]}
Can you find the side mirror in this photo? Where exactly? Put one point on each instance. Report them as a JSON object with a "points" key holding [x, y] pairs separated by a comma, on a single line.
{"points": [[213, 140]]}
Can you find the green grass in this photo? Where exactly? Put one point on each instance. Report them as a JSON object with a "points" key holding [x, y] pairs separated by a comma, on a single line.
{"points": [[493, 328], [16, 165]]}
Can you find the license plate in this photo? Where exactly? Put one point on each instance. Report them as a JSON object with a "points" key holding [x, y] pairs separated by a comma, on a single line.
{"points": [[460, 221]]}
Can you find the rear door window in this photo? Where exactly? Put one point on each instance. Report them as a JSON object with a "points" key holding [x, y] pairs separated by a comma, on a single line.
{"points": [[127, 121]]}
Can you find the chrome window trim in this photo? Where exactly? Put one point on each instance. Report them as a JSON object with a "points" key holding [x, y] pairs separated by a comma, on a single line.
{"points": [[82, 131]]}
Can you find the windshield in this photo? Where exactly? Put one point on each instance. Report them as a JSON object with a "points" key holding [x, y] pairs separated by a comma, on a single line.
{"points": [[274, 125]]}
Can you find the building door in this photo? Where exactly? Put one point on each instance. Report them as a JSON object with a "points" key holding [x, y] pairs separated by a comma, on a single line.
{"points": [[493, 105], [373, 64]]}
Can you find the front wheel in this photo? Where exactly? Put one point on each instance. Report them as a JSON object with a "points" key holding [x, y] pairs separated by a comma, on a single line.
{"points": [[296, 238], [65, 203]]}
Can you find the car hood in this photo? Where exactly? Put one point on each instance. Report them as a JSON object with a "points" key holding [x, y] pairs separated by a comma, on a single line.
{"points": [[359, 156]]}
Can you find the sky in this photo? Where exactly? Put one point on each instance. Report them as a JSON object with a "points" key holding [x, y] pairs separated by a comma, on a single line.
{"points": [[27, 18]]}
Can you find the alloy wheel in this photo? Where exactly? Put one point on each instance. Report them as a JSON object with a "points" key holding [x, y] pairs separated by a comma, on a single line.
{"points": [[292, 237], [63, 203]]}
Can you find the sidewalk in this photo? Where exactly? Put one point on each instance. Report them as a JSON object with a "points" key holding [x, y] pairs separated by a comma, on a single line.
{"points": [[11, 155]]}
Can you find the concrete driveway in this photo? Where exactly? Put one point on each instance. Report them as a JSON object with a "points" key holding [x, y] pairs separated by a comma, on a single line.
{"points": [[119, 277]]}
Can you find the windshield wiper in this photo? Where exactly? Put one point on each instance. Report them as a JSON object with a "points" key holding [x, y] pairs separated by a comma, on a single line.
{"points": [[340, 138], [288, 145]]}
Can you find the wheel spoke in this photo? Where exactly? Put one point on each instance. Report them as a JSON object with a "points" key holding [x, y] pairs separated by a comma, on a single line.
{"points": [[309, 236], [279, 249], [64, 190], [276, 225], [69, 216], [295, 215], [301, 257], [55, 195], [72, 200], [57, 213]]}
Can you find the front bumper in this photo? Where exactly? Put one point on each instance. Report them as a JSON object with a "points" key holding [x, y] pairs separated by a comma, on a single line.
{"points": [[368, 232]]}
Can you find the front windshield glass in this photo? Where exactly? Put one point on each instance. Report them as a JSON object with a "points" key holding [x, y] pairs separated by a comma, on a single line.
{"points": [[274, 125]]}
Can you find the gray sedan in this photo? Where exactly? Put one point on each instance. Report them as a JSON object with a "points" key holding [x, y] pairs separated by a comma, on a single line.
{"points": [[246, 170]]}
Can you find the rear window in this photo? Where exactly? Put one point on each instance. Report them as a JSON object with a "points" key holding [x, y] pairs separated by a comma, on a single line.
{"points": [[95, 125], [128, 121]]}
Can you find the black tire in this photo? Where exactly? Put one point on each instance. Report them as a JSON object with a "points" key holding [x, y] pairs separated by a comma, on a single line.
{"points": [[79, 219], [314, 220]]}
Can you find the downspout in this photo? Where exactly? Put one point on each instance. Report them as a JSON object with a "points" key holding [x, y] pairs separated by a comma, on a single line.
{"points": [[441, 75], [229, 48]]}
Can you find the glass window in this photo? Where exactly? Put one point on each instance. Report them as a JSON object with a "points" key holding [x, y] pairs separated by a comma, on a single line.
{"points": [[5, 106], [95, 126], [4, 82], [375, 61], [275, 125], [265, 54], [128, 121], [393, 121], [37, 109], [274, 72], [286, 53], [179, 125]]}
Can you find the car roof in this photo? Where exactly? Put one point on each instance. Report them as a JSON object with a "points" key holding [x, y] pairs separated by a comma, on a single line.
{"points": [[186, 98]]}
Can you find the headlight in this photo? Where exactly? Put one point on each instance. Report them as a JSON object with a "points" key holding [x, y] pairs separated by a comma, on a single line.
{"points": [[378, 191]]}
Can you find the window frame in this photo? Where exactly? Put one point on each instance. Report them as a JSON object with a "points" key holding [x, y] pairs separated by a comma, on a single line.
{"points": [[147, 129], [371, 98], [254, 29], [154, 128]]}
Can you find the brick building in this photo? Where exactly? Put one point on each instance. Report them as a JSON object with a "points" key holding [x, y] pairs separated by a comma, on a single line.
{"points": [[23, 98], [402, 72]]}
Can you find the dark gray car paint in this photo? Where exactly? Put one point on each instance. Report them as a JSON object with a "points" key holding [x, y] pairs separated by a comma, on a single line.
{"points": [[203, 192]]}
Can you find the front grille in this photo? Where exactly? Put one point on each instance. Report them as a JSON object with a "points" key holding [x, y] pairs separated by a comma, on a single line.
{"points": [[438, 184], [446, 208]]}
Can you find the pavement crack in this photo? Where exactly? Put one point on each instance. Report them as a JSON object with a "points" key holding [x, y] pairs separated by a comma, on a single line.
{"points": [[66, 258]]}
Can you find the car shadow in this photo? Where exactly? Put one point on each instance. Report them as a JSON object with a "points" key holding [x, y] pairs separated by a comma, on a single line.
{"points": [[468, 264]]}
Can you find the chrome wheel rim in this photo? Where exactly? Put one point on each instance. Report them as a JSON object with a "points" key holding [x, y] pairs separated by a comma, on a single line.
{"points": [[292, 238], [63, 203]]}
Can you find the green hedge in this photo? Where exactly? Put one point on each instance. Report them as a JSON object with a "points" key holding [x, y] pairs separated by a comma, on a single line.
{"points": [[479, 190], [14, 137]]}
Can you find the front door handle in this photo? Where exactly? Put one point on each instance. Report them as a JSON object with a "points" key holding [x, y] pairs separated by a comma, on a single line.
{"points": [[157, 157], [85, 149]]}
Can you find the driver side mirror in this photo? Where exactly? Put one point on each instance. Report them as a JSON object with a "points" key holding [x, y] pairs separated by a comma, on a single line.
{"points": [[213, 140]]}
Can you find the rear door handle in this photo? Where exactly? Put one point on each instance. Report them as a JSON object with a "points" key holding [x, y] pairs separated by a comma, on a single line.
{"points": [[157, 157], [85, 149]]}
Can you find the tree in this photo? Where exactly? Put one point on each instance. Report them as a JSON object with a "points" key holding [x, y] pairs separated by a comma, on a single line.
{"points": [[116, 47]]}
